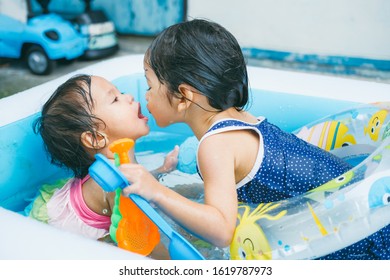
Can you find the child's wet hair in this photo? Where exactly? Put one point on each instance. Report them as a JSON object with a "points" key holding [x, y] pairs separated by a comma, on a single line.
{"points": [[205, 56], [64, 117]]}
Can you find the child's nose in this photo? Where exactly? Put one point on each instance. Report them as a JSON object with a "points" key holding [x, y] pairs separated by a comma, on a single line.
{"points": [[130, 98]]}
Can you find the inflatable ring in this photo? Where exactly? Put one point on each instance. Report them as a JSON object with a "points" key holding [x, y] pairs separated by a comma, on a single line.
{"points": [[326, 219]]}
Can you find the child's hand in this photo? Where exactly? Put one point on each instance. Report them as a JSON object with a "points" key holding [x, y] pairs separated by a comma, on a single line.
{"points": [[171, 160], [141, 181]]}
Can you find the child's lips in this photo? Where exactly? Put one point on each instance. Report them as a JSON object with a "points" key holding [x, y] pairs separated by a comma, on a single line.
{"points": [[140, 115]]}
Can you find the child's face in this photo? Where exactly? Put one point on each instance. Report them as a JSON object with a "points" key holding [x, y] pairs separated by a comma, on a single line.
{"points": [[158, 103], [121, 114]]}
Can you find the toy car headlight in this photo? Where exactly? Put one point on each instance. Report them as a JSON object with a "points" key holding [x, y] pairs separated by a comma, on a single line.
{"points": [[52, 34], [101, 28]]}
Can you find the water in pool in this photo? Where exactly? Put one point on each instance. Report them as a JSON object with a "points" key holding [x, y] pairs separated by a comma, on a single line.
{"points": [[190, 186]]}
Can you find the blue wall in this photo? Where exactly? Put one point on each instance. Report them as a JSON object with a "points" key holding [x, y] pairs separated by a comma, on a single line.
{"points": [[136, 17]]}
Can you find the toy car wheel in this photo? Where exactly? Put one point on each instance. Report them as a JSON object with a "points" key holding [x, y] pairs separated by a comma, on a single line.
{"points": [[38, 62]]}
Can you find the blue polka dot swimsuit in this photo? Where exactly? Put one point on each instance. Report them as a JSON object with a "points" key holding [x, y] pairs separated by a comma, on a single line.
{"points": [[287, 166]]}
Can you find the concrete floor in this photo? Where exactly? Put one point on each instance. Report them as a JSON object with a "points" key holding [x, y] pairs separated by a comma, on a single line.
{"points": [[15, 77]]}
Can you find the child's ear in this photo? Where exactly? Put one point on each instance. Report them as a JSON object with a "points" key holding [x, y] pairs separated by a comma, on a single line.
{"points": [[188, 94], [89, 141]]}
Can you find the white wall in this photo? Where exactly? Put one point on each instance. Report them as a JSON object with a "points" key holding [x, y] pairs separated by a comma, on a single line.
{"points": [[353, 28], [14, 8]]}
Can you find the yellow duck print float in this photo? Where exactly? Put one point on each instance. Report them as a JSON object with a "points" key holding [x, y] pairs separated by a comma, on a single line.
{"points": [[249, 241], [374, 124]]}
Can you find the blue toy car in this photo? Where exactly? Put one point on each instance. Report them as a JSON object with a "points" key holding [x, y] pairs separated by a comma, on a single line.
{"points": [[40, 41], [92, 24], [99, 31]]}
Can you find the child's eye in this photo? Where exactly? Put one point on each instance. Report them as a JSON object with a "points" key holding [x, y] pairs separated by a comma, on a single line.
{"points": [[148, 88], [115, 99]]}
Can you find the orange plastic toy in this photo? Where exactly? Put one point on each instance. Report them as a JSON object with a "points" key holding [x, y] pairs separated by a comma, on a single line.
{"points": [[130, 228], [122, 147]]}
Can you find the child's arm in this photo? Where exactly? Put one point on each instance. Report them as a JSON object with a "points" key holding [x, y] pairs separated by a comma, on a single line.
{"points": [[213, 221]]}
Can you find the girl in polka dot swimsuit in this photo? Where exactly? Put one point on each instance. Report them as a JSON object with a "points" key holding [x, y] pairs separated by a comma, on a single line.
{"points": [[285, 166], [196, 74]]}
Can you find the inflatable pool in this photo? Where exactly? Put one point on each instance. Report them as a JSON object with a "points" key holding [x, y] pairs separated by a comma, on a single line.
{"points": [[340, 212], [289, 229]]}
